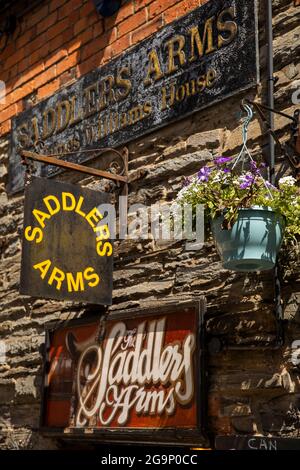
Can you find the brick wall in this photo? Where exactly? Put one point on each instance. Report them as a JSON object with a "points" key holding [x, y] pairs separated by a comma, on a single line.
{"points": [[60, 40]]}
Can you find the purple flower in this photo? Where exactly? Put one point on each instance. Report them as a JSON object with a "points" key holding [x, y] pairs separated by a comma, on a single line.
{"points": [[226, 170], [204, 173], [246, 181], [221, 160], [255, 169]]}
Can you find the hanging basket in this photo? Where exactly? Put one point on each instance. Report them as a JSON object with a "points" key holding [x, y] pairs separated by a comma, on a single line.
{"points": [[253, 242]]}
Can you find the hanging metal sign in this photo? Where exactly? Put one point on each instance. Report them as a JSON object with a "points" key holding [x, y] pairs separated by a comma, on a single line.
{"points": [[196, 61], [139, 380], [67, 252]]}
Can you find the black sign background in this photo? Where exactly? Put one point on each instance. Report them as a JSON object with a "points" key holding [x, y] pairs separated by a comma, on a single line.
{"points": [[69, 242], [234, 65]]}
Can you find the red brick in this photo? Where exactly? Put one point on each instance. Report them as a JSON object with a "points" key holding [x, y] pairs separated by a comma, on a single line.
{"points": [[63, 40], [66, 63], [94, 61], [8, 112], [29, 74], [125, 11], [47, 22], [68, 77], [8, 51], [98, 29], [58, 28], [44, 77], [48, 89], [25, 37], [23, 65], [89, 49], [67, 36], [56, 4], [158, 7], [22, 91], [179, 10], [147, 29], [56, 57], [120, 45], [138, 4], [106, 55], [5, 127], [67, 7], [15, 58], [39, 54], [132, 23], [80, 25], [37, 43], [88, 8], [92, 20], [36, 17]]}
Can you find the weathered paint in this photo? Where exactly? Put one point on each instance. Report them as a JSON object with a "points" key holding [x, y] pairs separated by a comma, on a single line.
{"points": [[66, 252], [190, 64]]}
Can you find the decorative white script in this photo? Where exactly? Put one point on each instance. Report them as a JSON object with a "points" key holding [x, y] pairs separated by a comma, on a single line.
{"points": [[141, 374]]}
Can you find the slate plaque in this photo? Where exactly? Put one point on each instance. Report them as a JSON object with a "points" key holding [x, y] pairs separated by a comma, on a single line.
{"points": [[66, 253], [195, 62]]}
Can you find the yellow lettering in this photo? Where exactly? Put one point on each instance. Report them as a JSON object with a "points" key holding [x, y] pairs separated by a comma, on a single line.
{"points": [[43, 267], [75, 284], [63, 115], [24, 139], [92, 277], [78, 207], [74, 118], [56, 208], [40, 217], [147, 108], [90, 96], [226, 26], [57, 275], [180, 41], [94, 217], [124, 83], [106, 250], [72, 201], [103, 231], [107, 93], [154, 68], [35, 233], [49, 123], [200, 43]]}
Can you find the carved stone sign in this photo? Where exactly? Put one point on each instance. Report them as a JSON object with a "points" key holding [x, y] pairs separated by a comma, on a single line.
{"points": [[140, 374], [67, 253], [202, 58]]}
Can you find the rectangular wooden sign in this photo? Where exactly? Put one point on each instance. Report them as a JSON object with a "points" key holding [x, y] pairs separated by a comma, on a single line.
{"points": [[196, 61], [67, 252], [137, 377]]}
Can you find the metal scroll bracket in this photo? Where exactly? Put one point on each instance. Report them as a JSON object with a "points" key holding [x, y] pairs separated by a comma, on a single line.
{"points": [[54, 161], [290, 150]]}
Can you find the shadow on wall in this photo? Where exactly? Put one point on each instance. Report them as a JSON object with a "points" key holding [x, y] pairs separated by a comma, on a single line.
{"points": [[50, 49]]}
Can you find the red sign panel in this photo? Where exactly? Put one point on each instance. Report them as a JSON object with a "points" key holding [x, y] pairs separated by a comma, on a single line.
{"points": [[139, 374]]}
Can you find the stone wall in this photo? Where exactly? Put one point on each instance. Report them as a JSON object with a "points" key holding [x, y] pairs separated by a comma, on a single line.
{"points": [[252, 386]]}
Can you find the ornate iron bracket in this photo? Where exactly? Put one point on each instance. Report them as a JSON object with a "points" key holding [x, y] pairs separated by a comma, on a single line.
{"points": [[290, 150], [54, 161]]}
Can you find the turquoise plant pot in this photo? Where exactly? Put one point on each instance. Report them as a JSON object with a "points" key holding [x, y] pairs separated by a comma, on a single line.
{"points": [[253, 242]]}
